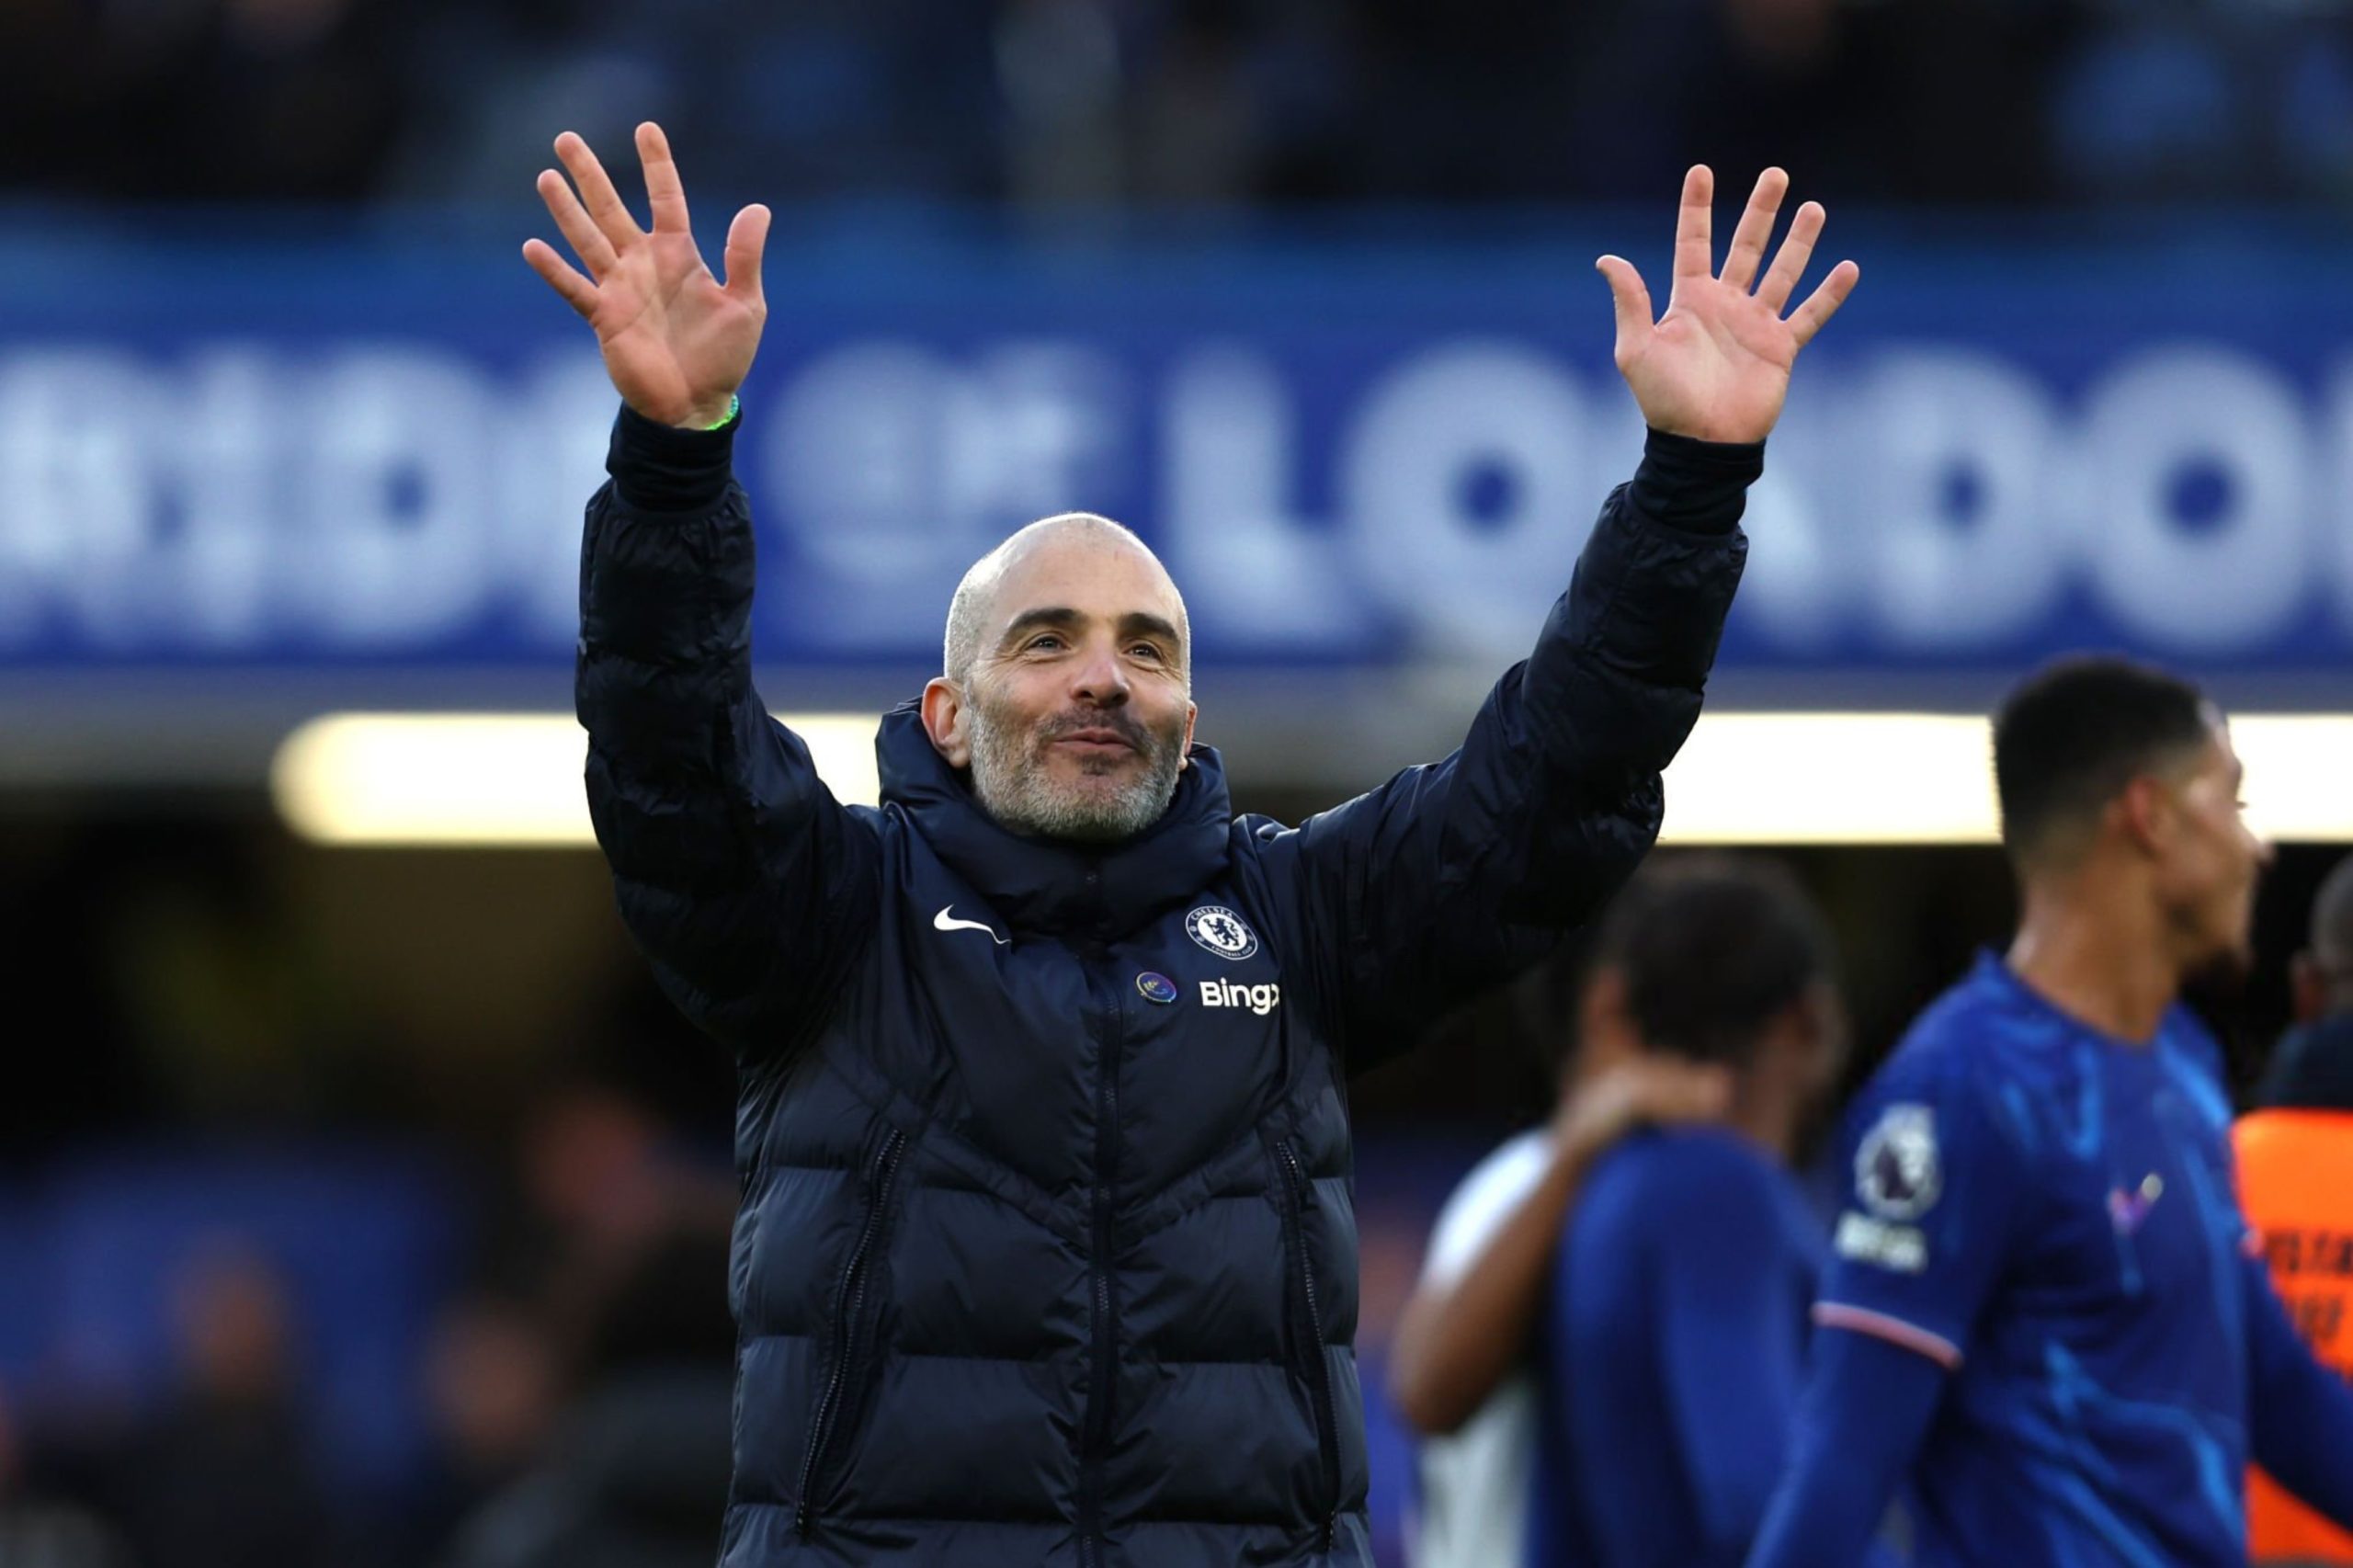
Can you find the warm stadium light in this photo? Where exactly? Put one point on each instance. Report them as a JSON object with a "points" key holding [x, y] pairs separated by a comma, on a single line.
{"points": [[1833, 779], [493, 778], [486, 778], [1928, 778]]}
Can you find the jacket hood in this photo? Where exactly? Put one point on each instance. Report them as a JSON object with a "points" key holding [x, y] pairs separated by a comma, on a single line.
{"points": [[2312, 1068], [1044, 886]]}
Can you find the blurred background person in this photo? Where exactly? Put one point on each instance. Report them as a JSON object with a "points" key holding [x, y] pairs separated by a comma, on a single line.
{"points": [[1458, 1362], [223, 1475], [635, 1475], [1677, 1319], [42, 1531], [2295, 1154]]}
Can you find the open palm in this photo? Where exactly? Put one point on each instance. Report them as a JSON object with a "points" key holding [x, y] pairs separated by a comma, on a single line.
{"points": [[677, 342], [1717, 365]]}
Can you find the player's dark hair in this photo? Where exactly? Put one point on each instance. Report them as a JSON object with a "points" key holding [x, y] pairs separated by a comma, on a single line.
{"points": [[2076, 731], [1711, 948]]}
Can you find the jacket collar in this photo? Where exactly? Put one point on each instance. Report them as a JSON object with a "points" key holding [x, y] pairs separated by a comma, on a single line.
{"points": [[2312, 1068], [1049, 888]]}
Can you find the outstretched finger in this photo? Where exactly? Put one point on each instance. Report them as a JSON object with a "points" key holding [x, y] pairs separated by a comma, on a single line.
{"points": [[578, 291], [604, 202], [747, 241], [587, 241], [664, 190], [1796, 251], [1632, 301], [1694, 225], [1824, 302], [1747, 253]]}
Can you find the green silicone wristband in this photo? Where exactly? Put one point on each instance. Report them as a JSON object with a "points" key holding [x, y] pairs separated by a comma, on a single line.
{"points": [[734, 406]]}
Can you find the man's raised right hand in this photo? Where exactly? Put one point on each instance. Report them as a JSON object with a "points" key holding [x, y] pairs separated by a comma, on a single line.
{"points": [[677, 342]]}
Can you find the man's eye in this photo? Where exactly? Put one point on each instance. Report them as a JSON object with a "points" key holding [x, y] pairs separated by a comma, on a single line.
{"points": [[1145, 650], [1047, 642]]}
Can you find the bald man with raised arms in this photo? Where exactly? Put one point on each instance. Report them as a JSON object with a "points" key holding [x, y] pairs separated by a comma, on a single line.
{"points": [[1046, 1253]]}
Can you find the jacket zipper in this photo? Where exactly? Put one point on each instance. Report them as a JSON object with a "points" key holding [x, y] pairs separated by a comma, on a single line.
{"points": [[1319, 1371], [1107, 1147], [849, 1305]]}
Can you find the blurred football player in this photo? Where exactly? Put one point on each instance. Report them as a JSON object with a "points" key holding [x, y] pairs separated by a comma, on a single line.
{"points": [[1459, 1365], [2043, 1308], [1671, 1356], [2296, 1181]]}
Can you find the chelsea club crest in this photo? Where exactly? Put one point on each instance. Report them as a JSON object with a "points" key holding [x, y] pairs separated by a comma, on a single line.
{"points": [[1221, 931]]}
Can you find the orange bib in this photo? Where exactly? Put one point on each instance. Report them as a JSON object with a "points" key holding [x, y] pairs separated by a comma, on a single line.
{"points": [[2296, 1184]]}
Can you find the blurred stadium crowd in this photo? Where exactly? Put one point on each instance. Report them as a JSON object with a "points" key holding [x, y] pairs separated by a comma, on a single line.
{"points": [[1214, 102], [254, 1315]]}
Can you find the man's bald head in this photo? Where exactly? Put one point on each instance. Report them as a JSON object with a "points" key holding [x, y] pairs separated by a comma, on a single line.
{"points": [[970, 612]]}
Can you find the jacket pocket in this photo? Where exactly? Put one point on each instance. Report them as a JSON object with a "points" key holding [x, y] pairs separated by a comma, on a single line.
{"points": [[850, 1333], [1296, 1195]]}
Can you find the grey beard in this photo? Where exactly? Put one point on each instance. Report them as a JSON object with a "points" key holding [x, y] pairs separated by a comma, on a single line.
{"points": [[1022, 799]]}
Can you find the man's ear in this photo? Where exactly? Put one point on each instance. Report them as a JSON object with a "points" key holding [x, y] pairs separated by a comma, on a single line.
{"points": [[2145, 814], [1184, 752], [946, 719]]}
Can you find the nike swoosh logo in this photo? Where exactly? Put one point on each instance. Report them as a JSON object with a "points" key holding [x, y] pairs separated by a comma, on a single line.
{"points": [[943, 921]]}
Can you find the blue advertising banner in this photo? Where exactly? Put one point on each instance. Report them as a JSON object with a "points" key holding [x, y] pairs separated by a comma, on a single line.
{"points": [[287, 453]]}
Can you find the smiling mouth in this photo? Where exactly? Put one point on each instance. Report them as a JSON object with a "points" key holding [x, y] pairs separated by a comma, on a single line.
{"points": [[1096, 741]]}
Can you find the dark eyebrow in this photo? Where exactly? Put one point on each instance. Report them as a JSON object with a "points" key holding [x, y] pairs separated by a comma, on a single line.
{"points": [[1144, 623], [1059, 615], [1135, 623]]}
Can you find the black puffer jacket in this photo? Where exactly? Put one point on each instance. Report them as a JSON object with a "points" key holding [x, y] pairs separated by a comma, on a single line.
{"points": [[1046, 1253]]}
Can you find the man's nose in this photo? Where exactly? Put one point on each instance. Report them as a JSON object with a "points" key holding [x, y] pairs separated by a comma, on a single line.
{"points": [[1100, 680]]}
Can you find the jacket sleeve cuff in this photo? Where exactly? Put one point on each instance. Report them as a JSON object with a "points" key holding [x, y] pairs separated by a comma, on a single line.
{"points": [[1700, 487], [661, 468]]}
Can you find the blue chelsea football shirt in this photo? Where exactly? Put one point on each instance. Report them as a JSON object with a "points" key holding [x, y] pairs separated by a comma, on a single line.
{"points": [[2049, 1213]]}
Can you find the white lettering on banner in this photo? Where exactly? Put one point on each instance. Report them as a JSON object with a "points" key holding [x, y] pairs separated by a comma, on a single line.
{"points": [[2170, 418], [2335, 518], [1952, 494], [1427, 437], [554, 438], [224, 566], [238, 497], [373, 500], [895, 468], [76, 426], [1792, 592], [1249, 565], [396, 505]]}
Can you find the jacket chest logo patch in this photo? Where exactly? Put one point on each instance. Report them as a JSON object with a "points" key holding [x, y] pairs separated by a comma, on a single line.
{"points": [[1156, 987], [1221, 931]]}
